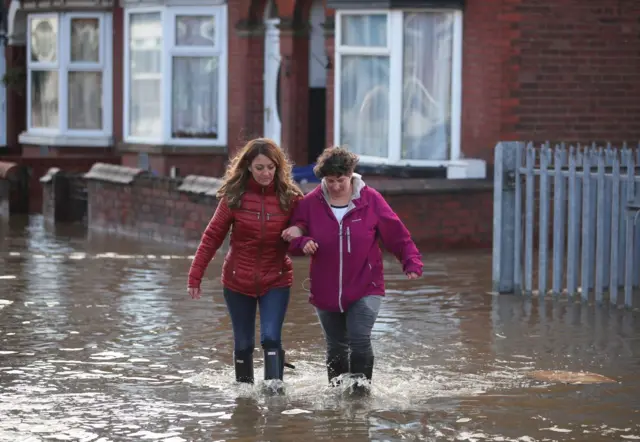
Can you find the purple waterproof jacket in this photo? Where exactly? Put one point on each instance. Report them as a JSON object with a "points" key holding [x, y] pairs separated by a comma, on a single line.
{"points": [[348, 263]]}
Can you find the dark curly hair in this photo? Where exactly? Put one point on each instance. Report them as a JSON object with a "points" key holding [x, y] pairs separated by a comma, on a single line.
{"points": [[335, 161]]}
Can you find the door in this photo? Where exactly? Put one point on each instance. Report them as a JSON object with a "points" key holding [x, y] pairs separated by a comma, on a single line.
{"points": [[272, 123], [3, 101]]}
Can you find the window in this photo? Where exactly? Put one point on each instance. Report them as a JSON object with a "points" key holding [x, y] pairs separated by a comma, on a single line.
{"points": [[69, 75], [398, 86], [175, 67]]}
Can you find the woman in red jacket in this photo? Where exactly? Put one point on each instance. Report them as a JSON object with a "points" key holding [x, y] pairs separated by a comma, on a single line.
{"points": [[256, 198]]}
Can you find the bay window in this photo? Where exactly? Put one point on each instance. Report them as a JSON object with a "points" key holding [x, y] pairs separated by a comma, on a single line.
{"points": [[175, 76], [69, 78], [398, 85]]}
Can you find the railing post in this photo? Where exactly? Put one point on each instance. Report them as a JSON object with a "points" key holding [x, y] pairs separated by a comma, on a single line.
{"points": [[504, 199]]}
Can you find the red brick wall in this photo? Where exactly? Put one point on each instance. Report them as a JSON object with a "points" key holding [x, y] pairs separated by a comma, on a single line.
{"points": [[152, 209], [16, 110], [245, 67], [294, 95], [118, 73], [486, 53], [205, 165], [447, 220], [549, 70], [39, 166], [579, 74], [442, 215], [329, 44]]}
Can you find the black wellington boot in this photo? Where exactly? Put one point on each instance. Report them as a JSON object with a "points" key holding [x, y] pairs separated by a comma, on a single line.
{"points": [[244, 366], [337, 365], [273, 363], [274, 368], [361, 370]]}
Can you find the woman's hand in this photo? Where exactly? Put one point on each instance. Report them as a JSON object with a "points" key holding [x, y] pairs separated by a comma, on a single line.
{"points": [[195, 292], [310, 247], [412, 275], [291, 233]]}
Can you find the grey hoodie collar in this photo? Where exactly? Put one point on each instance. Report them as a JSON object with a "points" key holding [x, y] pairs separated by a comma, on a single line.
{"points": [[358, 185]]}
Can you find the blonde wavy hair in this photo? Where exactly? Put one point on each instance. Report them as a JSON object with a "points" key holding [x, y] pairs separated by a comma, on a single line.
{"points": [[237, 175]]}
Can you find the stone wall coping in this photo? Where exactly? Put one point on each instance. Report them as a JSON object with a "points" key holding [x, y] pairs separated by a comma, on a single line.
{"points": [[51, 173], [201, 185], [8, 170], [113, 173], [417, 186]]}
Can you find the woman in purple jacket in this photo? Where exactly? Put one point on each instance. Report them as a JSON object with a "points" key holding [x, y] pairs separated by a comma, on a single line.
{"points": [[339, 224]]}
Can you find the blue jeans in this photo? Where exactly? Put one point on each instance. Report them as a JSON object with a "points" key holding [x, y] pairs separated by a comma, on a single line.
{"points": [[242, 309]]}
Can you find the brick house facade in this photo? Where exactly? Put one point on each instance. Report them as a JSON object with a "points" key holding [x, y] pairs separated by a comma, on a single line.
{"points": [[416, 87]]}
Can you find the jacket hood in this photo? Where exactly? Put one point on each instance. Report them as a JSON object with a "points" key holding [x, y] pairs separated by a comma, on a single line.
{"points": [[358, 185]]}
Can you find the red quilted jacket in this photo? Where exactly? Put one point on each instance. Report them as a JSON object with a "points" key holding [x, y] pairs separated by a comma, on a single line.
{"points": [[257, 258]]}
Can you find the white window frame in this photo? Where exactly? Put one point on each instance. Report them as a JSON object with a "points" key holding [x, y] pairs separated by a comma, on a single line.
{"points": [[168, 16], [394, 50], [63, 135]]}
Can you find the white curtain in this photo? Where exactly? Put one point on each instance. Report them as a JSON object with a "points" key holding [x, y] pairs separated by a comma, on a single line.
{"points": [[426, 109], [44, 81], [85, 40], [145, 58], [44, 99], [364, 97], [195, 79], [364, 87], [426, 86], [195, 97], [85, 100], [85, 86]]}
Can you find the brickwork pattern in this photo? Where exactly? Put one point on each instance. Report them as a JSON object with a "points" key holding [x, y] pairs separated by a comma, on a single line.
{"points": [[38, 167], [440, 214], [549, 70], [151, 208]]}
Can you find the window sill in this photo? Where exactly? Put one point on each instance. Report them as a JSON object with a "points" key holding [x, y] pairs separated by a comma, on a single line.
{"points": [[466, 168], [65, 140]]}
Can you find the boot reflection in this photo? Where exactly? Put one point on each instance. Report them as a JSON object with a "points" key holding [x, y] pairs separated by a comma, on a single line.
{"points": [[245, 419]]}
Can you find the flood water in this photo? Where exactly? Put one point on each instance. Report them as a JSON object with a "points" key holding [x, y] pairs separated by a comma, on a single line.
{"points": [[99, 341]]}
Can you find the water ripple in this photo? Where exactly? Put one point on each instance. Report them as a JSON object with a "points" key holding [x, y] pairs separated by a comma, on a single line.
{"points": [[99, 342]]}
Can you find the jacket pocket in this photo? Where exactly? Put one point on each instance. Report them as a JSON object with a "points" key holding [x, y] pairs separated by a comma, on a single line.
{"points": [[372, 273], [248, 214], [230, 264], [280, 217]]}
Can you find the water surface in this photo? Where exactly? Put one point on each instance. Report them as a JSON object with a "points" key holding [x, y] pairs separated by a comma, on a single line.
{"points": [[99, 341]]}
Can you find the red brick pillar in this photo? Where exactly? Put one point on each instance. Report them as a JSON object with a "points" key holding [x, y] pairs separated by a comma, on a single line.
{"points": [[246, 83], [329, 45], [118, 74], [294, 92], [16, 96]]}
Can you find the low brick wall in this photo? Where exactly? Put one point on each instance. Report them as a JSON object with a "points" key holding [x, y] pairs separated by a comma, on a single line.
{"points": [[64, 196], [441, 214], [36, 167], [133, 203]]}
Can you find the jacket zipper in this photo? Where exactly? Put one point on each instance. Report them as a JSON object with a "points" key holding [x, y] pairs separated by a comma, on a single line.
{"points": [[282, 270], [262, 229], [340, 248], [340, 273], [341, 252]]}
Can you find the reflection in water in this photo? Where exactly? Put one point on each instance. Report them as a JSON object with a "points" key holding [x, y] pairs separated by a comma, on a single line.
{"points": [[99, 342]]}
